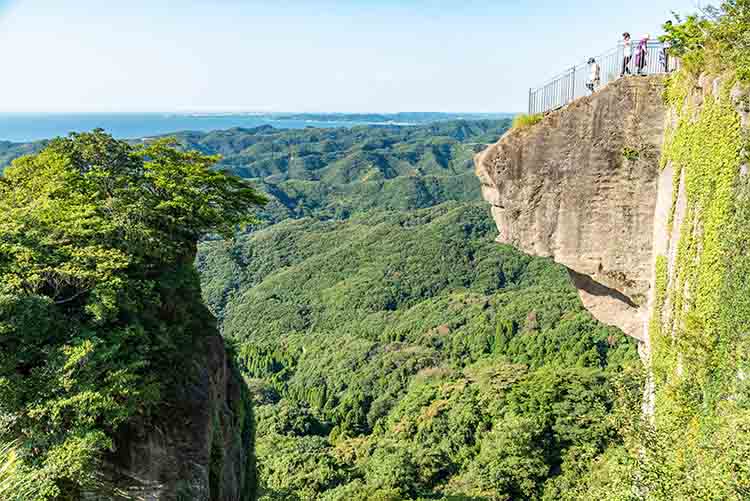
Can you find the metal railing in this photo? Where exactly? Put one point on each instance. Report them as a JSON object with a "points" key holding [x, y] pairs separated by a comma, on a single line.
{"points": [[571, 84]]}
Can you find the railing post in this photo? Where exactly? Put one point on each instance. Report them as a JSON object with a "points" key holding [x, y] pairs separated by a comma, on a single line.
{"points": [[531, 110], [573, 87], [562, 89]]}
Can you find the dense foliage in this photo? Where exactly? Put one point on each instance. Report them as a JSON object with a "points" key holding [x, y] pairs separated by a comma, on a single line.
{"points": [[715, 40], [12, 484], [406, 355], [699, 444], [333, 173], [99, 299]]}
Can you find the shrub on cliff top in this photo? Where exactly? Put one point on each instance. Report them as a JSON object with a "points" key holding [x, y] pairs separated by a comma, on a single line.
{"points": [[523, 120], [98, 296]]}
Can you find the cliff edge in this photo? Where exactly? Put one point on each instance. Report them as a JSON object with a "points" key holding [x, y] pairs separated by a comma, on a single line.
{"points": [[114, 380], [643, 191], [581, 187]]}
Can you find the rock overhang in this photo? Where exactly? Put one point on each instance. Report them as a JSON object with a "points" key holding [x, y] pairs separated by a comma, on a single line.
{"points": [[580, 187]]}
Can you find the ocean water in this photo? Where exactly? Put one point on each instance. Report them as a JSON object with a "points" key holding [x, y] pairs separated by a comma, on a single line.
{"points": [[22, 127]]}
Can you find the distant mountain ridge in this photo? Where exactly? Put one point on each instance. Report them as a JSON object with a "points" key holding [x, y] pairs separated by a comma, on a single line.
{"points": [[332, 173], [28, 127], [413, 117]]}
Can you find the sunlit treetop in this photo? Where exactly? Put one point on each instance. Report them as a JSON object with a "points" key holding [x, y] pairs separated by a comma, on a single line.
{"points": [[89, 208]]}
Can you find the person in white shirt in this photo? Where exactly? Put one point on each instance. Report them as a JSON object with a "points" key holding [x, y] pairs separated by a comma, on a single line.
{"points": [[595, 77], [627, 53]]}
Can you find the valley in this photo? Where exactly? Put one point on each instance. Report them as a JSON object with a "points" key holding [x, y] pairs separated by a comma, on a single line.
{"points": [[390, 344]]}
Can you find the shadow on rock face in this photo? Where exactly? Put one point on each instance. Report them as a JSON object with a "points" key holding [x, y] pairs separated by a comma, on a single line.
{"points": [[581, 188], [589, 285]]}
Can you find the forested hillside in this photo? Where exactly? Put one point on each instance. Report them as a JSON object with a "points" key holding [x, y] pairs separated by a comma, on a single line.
{"points": [[332, 173], [398, 355], [393, 349], [396, 351], [10, 151]]}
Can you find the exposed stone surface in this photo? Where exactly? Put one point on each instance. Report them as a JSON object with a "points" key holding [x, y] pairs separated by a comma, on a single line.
{"points": [[581, 187], [200, 450], [740, 96]]}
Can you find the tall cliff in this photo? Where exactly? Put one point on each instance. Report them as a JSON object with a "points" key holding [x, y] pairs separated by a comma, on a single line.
{"points": [[642, 191], [198, 444], [582, 188]]}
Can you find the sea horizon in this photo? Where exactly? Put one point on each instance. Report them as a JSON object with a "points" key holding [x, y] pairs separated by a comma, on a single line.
{"points": [[21, 127]]}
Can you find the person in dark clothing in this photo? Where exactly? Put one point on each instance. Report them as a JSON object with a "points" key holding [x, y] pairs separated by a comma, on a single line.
{"points": [[664, 57], [641, 55], [627, 53]]}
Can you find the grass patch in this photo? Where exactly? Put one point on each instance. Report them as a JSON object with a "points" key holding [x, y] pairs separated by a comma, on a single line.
{"points": [[630, 154], [524, 120], [13, 485]]}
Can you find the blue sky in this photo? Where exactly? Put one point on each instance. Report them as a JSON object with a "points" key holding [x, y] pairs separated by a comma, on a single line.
{"points": [[301, 55]]}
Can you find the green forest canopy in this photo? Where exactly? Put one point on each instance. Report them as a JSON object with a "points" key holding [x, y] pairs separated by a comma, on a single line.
{"points": [[383, 351], [395, 351], [99, 299], [341, 318], [333, 173]]}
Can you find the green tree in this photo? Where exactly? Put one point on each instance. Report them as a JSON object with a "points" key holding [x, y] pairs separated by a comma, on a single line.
{"points": [[716, 40], [509, 464], [99, 300]]}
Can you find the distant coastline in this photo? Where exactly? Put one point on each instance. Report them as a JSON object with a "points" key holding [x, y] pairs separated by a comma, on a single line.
{"points": [[26, 127]]}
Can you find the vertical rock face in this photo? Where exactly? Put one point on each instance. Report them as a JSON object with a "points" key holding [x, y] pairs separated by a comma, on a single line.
{"points": [[200, 449], [581, 187], [198, 443]]}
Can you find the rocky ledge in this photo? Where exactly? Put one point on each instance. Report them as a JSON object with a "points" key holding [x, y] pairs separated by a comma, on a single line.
{"points": [[581, 187]]}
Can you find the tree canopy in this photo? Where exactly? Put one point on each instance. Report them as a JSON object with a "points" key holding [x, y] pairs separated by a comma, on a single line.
{"points": [[98, 294], [716, 39], [407, 355]]}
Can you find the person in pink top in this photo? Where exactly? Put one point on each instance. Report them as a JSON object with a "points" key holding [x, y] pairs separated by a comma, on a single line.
{"points": [[641, 54]]}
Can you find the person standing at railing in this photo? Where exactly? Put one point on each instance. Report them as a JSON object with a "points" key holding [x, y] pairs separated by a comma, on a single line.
{"points": [[641, 54], [627, 53], [595, 77]]}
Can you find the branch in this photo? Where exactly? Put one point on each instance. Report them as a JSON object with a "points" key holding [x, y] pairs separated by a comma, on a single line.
{"points": [[74, 296]]}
